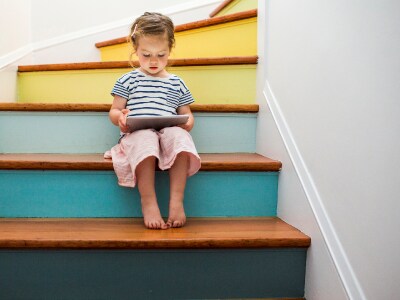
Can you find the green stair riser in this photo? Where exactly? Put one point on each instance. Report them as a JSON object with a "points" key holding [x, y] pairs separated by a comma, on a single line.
{"points": [[52, 132], [208, 84], [96, 194], [151, 274]]}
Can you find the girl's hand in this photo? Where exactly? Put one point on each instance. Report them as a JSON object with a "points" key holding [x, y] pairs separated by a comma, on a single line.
{"points": [[188, 125], [118, 113], [122, 120], [185, 110]]}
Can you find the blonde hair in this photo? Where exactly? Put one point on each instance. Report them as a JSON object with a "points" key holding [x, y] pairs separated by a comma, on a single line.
{"points": [[152, 24]]}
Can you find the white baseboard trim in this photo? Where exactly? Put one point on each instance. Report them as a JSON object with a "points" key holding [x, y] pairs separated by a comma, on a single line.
{"points": [[335, 248], [11, 57]]}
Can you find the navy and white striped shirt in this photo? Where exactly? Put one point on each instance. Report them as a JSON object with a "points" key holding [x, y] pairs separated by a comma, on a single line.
{"points": [[152, 96]]}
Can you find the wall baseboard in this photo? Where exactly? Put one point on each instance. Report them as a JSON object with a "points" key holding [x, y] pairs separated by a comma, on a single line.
{"points": [[15, 55], [332, 241]]}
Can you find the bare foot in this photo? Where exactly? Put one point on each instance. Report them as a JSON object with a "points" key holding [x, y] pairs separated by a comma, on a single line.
{"points": [[177, 217], [152, 216]]}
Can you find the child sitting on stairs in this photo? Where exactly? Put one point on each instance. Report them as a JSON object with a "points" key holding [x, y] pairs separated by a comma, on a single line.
{"points": [[151, 91]]}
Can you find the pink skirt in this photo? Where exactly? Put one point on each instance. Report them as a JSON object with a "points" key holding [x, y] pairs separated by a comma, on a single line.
{"points": [[165, 144]]}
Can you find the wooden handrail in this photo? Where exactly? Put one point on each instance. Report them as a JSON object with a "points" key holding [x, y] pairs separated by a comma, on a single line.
{"points": [[192, 25]]}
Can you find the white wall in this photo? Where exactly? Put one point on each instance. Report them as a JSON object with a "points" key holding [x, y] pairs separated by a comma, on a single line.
{"points": [[75, 15], [15, 20], [332, 82], [15, 36], [91, 24], [47, 31]]}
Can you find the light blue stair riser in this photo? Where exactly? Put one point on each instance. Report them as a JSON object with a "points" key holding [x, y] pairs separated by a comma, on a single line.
{"points": [[49, 132], [152, 274], [96, 194]]}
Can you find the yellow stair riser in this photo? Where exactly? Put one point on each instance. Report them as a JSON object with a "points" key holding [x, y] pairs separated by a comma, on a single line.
{"points": [[233, 84], [238, 38], [238, 6]]}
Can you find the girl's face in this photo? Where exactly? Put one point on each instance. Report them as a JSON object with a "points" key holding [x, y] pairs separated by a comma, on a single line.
{"points": [[153, 53]]}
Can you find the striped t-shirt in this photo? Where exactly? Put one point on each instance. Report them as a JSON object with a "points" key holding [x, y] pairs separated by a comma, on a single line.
{"points": [[152, 96]]}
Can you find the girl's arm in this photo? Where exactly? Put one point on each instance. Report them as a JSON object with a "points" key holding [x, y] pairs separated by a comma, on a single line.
{"points": [[118, 113], [185, 110]]}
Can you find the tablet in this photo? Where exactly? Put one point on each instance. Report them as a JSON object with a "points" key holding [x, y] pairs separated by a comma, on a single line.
{"points": [[155, 122]]}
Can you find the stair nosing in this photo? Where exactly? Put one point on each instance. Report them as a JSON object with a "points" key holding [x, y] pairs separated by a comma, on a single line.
{"points": [[249, 162], [129, 233], [99, 107], [218, 20], [178, 62], [192, 25]]}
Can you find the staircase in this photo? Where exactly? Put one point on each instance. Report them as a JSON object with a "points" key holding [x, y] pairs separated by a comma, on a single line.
{"points": [[68, 231]]}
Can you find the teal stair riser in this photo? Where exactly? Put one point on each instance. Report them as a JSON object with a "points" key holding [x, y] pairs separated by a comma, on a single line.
{"points": [[96, 194], [51, 132], [152, 274]]}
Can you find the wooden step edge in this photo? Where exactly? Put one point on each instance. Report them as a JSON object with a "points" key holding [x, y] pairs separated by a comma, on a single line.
{"points": [[98, 107], [242, 162], [218, 20], [130, 233], [179, 62], [190, 26], [55, 107]]}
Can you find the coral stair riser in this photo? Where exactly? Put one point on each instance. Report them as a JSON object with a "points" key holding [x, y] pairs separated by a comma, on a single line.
{"points": [[234, 35], [222, 81]]}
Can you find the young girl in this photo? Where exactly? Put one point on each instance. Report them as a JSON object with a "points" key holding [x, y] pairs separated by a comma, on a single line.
{"points": [[151, 90]]}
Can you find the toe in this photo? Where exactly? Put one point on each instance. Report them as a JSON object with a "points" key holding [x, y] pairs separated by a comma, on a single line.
{"points": [[177, 224], [159, 225]]}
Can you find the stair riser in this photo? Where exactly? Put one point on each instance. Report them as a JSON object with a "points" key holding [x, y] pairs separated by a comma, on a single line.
{"points": [[96, 194], [237, 38], [51, 132], [233, 84], [152, 274]]}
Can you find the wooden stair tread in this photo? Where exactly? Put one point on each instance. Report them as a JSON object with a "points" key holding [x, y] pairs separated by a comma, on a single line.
{"points": [[192, 25], [210, 162], [179, 62], [128, 233], [98, 107]]}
